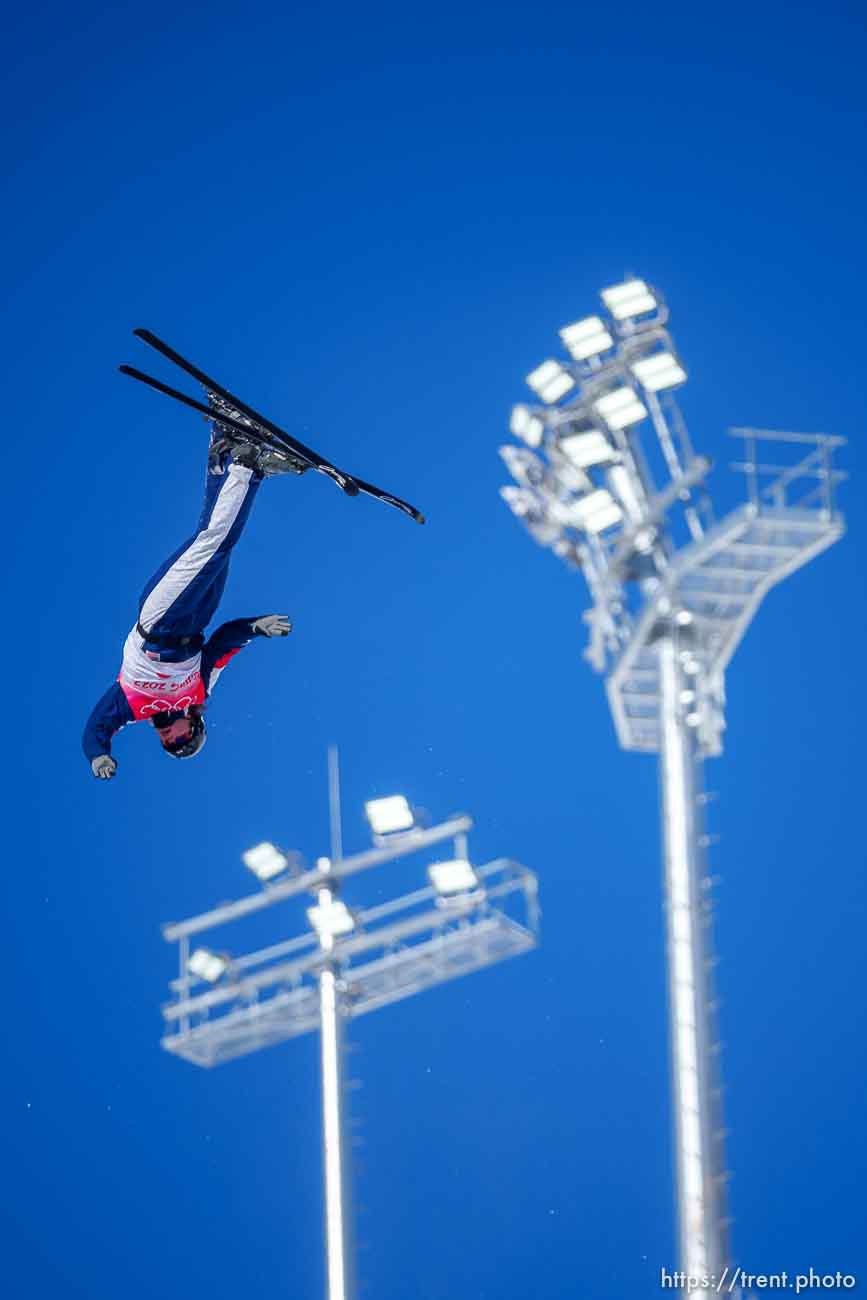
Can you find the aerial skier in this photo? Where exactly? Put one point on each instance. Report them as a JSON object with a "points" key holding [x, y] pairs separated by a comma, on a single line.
{"points": [[169, 668]]}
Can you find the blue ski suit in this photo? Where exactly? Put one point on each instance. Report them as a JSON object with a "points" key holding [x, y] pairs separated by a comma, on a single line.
{"points": [[167, 664]]}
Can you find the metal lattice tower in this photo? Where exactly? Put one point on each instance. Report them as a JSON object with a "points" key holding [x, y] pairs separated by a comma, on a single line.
{"points": [[350, 961], [674, 591]]}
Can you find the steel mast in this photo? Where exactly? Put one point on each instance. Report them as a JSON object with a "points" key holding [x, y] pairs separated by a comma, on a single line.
{"points": [[339, 1255], [699, 1172]]}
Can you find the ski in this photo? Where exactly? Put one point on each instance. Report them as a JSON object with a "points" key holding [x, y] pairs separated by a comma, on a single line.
{"points": [[263, 427], [223, 419]]}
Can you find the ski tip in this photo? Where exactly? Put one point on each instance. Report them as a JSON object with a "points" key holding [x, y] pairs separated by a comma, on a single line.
{"points": [[142, 333], [419, 518]]}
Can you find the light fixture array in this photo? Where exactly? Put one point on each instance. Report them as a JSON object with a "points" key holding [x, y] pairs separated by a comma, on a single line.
{"points": [[622, 361]]}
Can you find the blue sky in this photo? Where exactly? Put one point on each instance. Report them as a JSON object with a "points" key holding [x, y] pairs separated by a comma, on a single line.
{"points": [[373, 221]]}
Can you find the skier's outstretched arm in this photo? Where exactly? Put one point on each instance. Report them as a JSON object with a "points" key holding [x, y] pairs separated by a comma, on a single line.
{"points": [[231, 637], [109, 714]]}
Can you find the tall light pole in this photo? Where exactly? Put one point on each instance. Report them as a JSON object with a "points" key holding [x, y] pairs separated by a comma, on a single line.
{"points": [[349, 961], [338, 1253], [673, 591]]}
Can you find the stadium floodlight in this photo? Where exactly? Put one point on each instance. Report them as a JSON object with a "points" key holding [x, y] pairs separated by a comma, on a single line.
{"points": [[520, 501], [620, 408], [550, 381], [673, 595], [525, 468], [330, 917], [207, 965], [389, 814], [605, 513], [353, 962], [566, 476], [594, 512], [632, 298], [536, 515], [455, 877], [659, 370], [524, 423], [587, 447], [586, 338], [265, 860]]}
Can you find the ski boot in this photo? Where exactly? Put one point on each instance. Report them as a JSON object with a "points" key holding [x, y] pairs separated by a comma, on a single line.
{"points": [[262, 460]]}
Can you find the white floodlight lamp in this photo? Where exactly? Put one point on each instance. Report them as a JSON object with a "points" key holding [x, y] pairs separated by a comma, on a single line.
{"points": [[550, 381], [620, 408], [331, 919], [520, 501], [659, 370], [605, 513], [586, 338], [594, 512], [525, 468], [390, 814], [455, 877], [265, 860], [207, 965], [631, 298], [586, 447], [524, 423], [534, 515], [566, 475]]}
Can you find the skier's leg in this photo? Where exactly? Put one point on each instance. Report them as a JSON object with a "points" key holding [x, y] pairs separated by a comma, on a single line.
{"points": [[182, 596], [214, 481]]}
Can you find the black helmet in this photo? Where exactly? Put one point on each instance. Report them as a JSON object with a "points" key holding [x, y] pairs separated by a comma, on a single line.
{"points": [[190, 745]]}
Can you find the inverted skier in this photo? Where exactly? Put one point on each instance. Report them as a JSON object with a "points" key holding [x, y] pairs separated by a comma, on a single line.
{"points": [[169, 669]]}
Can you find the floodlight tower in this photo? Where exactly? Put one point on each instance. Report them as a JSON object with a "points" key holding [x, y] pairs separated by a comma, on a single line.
{"points": [[673, 592], [349, 962]]}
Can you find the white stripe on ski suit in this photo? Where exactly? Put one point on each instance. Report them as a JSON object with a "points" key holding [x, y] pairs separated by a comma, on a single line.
{"points": [[231, 497]]}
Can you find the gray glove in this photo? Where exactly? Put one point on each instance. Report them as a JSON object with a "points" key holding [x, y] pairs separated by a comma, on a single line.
{"points": [[272, 625], [104, 767]]}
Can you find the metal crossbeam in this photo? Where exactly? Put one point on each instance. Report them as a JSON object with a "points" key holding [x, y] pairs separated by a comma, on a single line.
{"points": [[366, 988], [411, 842]]}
